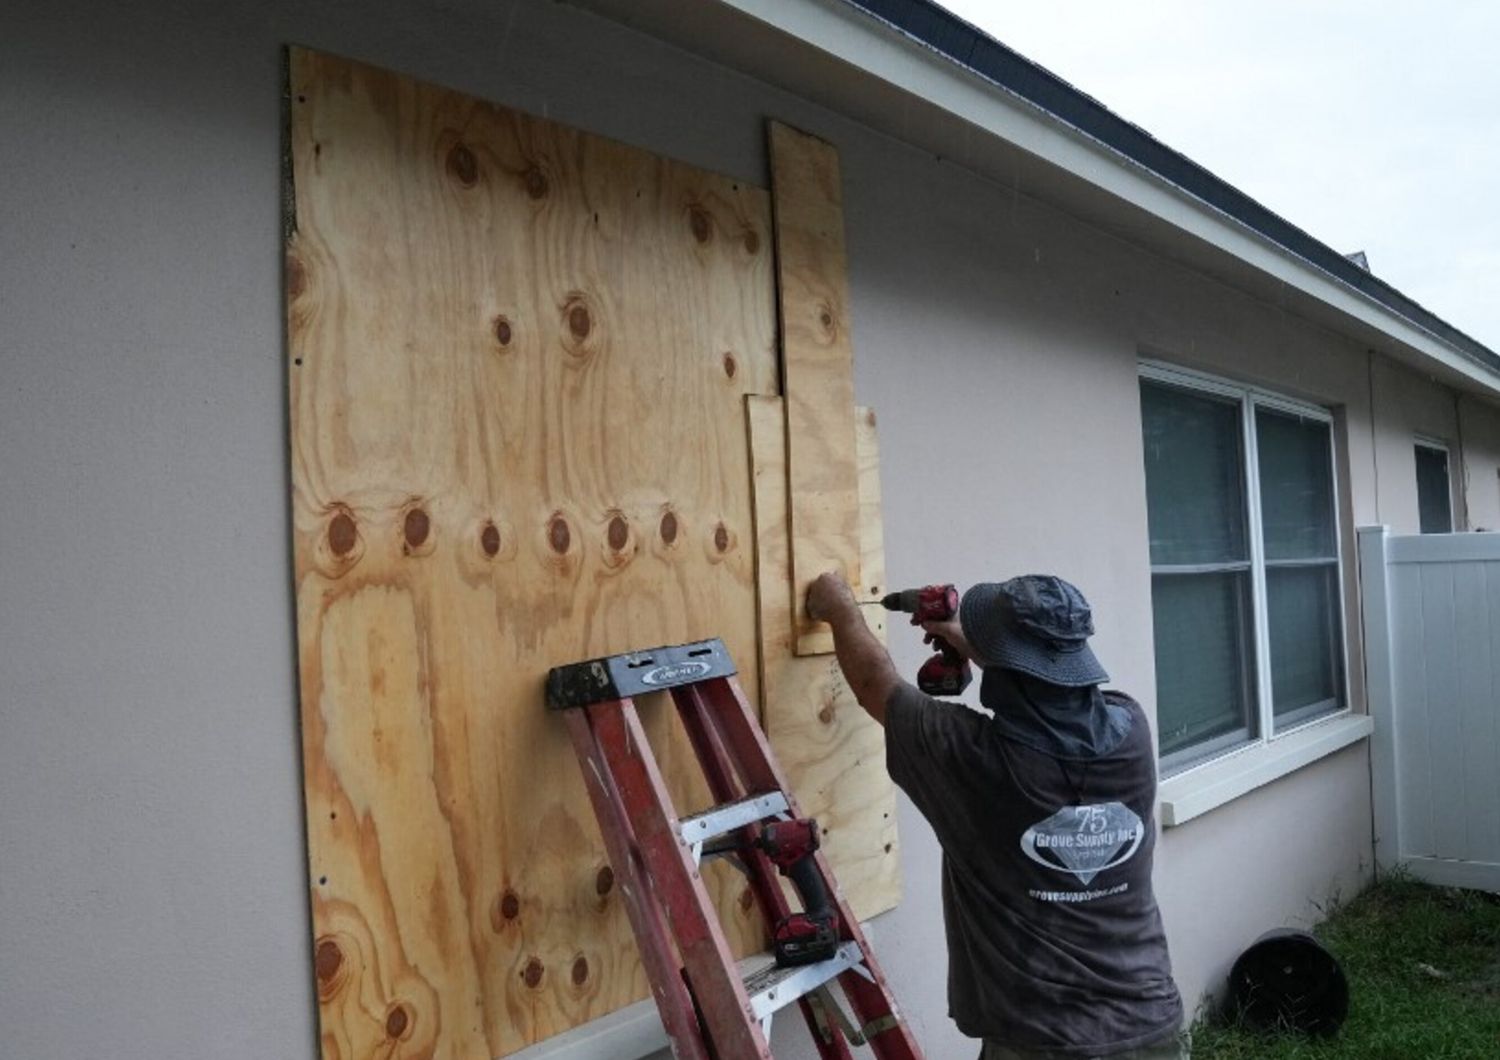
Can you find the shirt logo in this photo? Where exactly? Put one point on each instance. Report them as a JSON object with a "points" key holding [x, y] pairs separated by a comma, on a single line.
{"points": [[1085, 840]]}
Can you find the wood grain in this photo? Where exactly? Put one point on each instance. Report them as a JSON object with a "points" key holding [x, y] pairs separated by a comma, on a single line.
{"points": [[831, 750], [871, 522], [518, 359], [817, 368]]}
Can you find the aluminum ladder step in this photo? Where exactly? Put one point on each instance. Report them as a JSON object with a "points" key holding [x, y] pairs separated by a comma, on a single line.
{"points": [[772, 988], [702, 827]]}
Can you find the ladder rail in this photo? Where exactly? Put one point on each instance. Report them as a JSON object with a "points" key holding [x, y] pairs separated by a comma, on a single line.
{"points": [[722, 772], [872, 1001], [673, 1000], [711, 970]]}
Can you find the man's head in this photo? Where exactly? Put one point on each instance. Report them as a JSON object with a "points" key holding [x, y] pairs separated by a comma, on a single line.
{"points": [[1036, 624]]}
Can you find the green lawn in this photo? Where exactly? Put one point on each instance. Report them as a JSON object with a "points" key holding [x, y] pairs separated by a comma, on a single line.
{"points": [[1424, 982]]}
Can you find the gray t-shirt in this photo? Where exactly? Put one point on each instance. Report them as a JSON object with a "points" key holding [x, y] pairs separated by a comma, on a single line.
{"points": [[1054, 939]]}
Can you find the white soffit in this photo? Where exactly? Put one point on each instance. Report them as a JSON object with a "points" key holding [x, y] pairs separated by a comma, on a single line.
{"points": [[843, 59]]}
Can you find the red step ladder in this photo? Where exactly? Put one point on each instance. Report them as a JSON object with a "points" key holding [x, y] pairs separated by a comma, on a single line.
{"points": [[710, 1009]]}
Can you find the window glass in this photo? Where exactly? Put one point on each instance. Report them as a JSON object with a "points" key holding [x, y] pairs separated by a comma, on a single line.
{"points": [[1205, 688], [1296, 486], [1195, 494], [1295, 457], [1201, 589], [1434, 500], [1307, 658], [1245, 578]]}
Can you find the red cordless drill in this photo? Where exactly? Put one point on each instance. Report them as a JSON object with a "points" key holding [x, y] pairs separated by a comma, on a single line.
{"points": [[947, 673], [813, 934]]}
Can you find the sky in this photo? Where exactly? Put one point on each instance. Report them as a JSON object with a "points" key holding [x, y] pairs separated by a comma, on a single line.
{"points": [[1373, 126]]}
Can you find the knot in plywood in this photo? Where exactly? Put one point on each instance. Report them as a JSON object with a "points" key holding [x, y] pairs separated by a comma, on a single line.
{"points": [[415, 530], [582, 330], [619, 539], [398, 1022], [667, 528], [339, 545], [502, 330], [534, 180], [700, 223], [330, 967], [489, 539], [462, 166]]}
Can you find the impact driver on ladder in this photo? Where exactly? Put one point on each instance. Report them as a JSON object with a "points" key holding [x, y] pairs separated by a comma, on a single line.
{"points": [[813, 934], [947, 673]]}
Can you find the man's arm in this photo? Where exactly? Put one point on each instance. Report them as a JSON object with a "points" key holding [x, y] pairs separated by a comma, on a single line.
{"points": [[866, 664]]}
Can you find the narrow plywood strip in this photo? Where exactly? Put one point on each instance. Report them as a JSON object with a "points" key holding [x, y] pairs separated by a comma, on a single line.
{"points": [[871, 525], [817, 368], [829, 748], [501, 333]]}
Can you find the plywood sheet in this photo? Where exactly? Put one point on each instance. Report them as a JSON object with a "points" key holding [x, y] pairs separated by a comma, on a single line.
{"points": [[817, 368], [519, 356], [829, 748]]}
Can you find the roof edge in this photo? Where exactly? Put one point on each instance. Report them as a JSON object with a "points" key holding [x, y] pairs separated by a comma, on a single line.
{"points": [[977, 53]]}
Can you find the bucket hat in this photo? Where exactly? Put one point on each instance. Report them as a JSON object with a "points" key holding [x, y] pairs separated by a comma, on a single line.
{"points": [[1037, 624]]}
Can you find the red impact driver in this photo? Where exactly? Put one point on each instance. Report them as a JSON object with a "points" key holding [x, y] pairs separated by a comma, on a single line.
{"points": [[947, 673], [813, 934]]}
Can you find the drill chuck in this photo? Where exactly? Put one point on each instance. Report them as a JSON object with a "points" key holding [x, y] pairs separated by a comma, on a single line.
{"points": [[931, 603], [902, 600]]}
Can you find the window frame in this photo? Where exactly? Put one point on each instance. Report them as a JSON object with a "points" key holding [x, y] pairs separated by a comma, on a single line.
{"points": [[1250, 399], [1426, 441]]}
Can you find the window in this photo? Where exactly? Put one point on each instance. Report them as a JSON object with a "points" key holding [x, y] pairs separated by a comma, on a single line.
{"points": [[1245, 568], [1434, 494]]}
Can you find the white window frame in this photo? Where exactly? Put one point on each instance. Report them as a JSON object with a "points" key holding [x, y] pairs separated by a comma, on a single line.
{"points": [[1251, 398], [1423, 441]]}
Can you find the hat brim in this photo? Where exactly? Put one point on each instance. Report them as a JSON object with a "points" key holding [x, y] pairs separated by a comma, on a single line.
{"points": [[999, 644]]}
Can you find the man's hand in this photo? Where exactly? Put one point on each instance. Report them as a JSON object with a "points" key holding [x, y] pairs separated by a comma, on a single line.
{"points": [[863, 659], [953, 632], [829, 598]]}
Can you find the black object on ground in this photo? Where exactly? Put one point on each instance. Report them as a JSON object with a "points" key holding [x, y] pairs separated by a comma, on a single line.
{"points": [[1287, 980]]}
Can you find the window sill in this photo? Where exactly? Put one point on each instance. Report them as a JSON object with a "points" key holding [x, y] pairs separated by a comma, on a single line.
{"points": [[1211, 785]]}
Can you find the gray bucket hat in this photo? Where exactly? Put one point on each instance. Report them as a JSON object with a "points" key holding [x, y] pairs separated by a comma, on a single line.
{"points": [[1037, 624]]}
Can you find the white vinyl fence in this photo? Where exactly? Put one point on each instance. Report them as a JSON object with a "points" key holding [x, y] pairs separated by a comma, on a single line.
{"points": [[1432, 642]]}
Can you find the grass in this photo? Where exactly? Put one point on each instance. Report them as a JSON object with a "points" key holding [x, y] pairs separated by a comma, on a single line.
{"points": [[1424, 982]]}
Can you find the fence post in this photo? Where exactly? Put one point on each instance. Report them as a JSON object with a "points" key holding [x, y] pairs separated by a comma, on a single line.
{"points": [[1380, 691]]}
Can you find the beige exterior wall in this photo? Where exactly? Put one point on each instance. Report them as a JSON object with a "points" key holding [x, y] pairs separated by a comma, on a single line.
{"points": [[1408, 406], [146, 684], [1479, 427]]}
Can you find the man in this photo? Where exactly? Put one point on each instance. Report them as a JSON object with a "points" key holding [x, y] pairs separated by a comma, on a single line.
{"points": [[1045, 816]]}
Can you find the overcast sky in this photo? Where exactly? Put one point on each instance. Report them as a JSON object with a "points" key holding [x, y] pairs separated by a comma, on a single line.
{"points": [[1373, 126]]}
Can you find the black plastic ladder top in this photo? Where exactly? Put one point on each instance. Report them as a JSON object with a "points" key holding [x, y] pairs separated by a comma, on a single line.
{"points": [[636, 673]]}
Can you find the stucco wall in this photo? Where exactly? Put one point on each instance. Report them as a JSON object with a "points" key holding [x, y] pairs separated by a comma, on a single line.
{"points": [[1408, 405], [152, 875], [1479, 426]]}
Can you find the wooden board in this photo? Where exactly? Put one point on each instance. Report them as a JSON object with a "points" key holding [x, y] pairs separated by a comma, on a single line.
{"points": [[519, 355], [817, 368], [831, 750], [871, 523]]}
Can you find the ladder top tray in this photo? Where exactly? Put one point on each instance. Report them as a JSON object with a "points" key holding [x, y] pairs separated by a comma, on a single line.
{"points": [[635, 673]]}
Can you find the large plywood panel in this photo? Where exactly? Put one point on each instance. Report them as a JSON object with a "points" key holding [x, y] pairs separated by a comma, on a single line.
{"points": [[831, 751], [519, 355], [817, 367]]}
